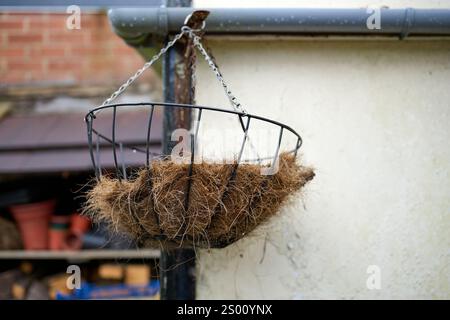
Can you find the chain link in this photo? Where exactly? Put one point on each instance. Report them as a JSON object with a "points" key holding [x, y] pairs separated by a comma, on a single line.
{"points": [[213, 66], [196, 39], [147, 65], [185, 30]]}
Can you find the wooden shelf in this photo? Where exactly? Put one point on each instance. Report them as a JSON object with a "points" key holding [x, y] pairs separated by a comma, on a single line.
{"points": [[79, 255]]}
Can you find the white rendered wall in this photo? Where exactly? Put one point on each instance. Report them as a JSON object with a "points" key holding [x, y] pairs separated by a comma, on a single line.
{"points": [[375, 121], [375, 118]]}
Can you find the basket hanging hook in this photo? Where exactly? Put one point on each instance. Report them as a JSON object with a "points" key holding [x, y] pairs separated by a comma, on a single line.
{"points": [[196, 21]]}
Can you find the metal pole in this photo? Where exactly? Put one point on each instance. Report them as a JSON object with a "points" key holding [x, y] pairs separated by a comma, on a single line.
{"points": [[177, 267]]}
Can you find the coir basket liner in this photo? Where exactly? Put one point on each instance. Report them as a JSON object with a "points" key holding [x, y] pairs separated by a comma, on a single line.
{"points": [[151, 207]]}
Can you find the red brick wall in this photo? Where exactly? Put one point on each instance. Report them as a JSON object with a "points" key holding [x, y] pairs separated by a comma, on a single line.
{"points": [[38, 48]]}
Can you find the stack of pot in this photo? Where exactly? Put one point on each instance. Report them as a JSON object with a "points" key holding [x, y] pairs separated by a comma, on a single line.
{"points": [[41, 229]]}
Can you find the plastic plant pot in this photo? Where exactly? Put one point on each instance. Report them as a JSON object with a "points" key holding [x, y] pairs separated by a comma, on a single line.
{"points": [[62, 220], [59, 228], [57, 237], [33, 221]]}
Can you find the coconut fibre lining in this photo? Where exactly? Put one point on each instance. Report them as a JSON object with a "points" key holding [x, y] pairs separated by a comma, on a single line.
{"points": [[153, 209]]}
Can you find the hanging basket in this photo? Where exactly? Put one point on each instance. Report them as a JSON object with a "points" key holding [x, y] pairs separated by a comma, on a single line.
{"points": [[189, 203]]}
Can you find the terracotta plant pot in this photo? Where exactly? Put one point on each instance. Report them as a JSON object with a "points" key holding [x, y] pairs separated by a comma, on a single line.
{"points": [[57, 235], [79, 224], [33, 220]]}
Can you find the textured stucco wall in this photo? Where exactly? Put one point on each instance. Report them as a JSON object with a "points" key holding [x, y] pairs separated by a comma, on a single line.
{"points": [[320, 3], [375, 118]]}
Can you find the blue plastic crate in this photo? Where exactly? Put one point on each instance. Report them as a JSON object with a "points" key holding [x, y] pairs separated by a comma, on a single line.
{"points": [[118, 291]]}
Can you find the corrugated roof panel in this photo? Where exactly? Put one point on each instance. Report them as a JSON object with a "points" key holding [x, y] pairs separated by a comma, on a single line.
{"points": [[58, 142], [65, 130]]}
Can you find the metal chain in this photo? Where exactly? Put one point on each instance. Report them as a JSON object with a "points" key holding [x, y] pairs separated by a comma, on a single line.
{"points": [[185, 30], [147, 65], [196, 39], [213, 66]]}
